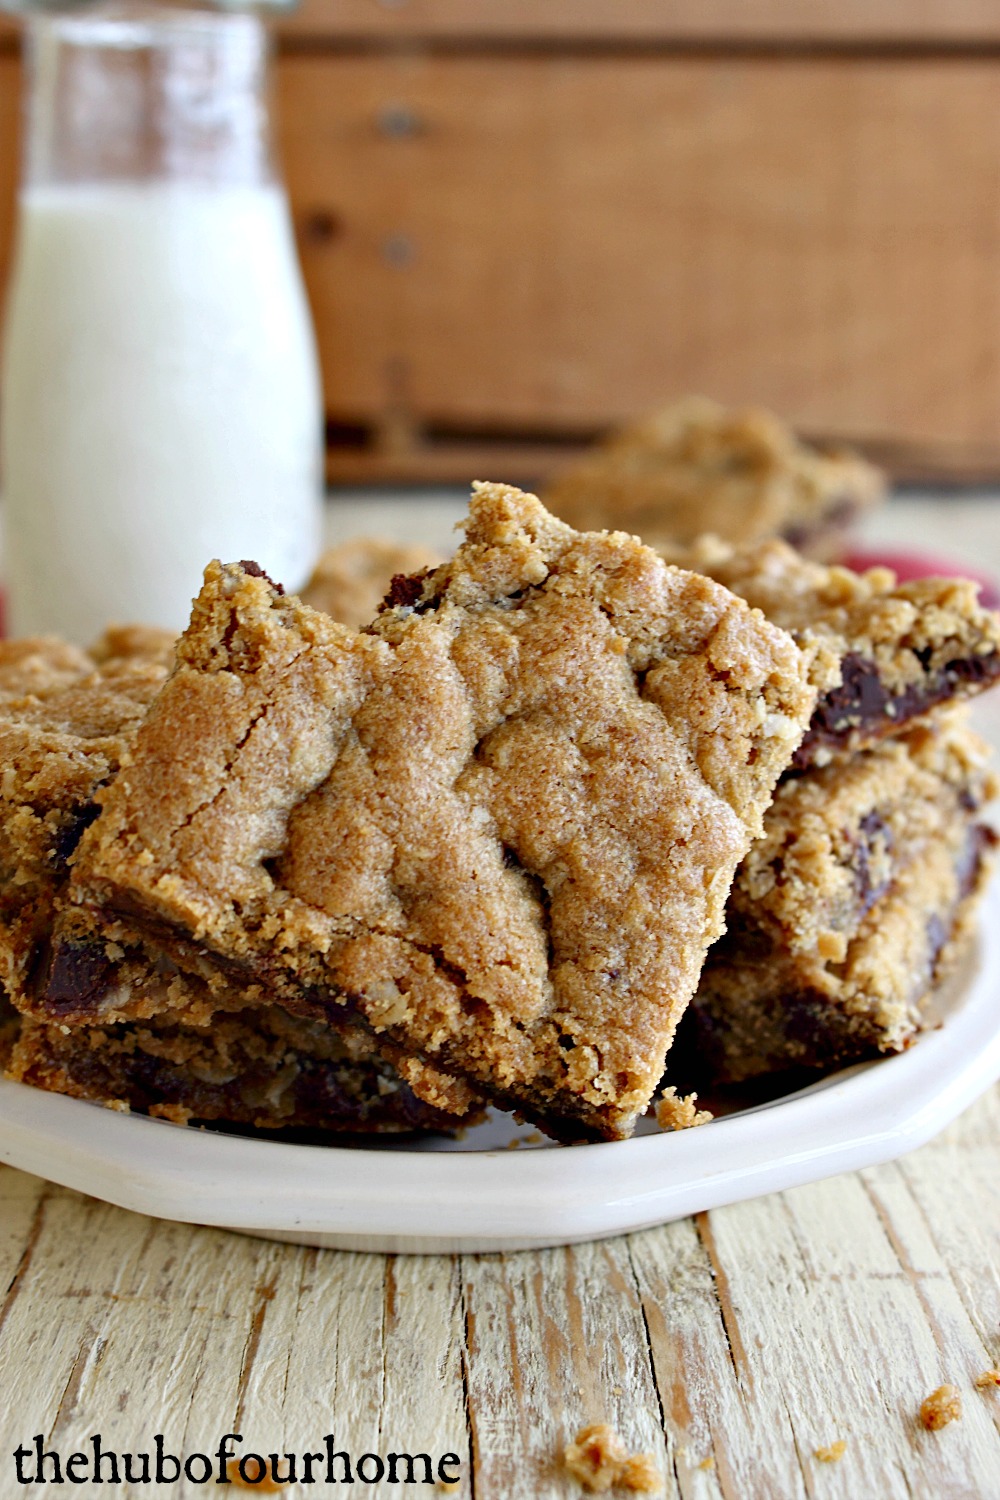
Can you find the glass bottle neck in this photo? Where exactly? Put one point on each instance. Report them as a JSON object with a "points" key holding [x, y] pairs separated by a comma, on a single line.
{"points": [[137, 92]]}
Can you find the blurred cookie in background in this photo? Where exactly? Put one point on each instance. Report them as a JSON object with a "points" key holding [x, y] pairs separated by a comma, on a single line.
{"points": [[696, 466]]}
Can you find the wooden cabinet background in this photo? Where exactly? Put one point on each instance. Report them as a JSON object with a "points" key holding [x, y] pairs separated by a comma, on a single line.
{"points": [[520, 221]]}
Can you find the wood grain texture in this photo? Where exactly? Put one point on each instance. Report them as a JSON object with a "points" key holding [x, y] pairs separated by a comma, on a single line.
{"points": [[722, 23], [731, 1347], [555, 243]]}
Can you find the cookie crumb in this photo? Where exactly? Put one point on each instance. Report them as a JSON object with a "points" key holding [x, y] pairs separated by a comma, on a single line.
{"points": [[597, 1458], [677, 1111], [833, 1454], [264, 1484], [449, 1485], [941, 1407], [986, 1379], [707, 1463]]}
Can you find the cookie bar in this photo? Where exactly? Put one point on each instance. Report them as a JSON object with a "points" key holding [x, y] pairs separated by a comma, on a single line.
{"points": [[66, 717], [891, 652], [846, 912], [499, 827], [260, 1068], [697, 467], [66, 720], [836, 838], [351, 580]]}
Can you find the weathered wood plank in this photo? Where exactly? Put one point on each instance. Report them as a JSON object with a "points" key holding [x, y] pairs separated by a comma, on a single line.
{"points": [[529, 241], [772, 1329], [555, 1341]]}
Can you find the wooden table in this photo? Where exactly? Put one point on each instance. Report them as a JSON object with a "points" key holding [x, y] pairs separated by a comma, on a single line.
{"points": [[731, 1346]]}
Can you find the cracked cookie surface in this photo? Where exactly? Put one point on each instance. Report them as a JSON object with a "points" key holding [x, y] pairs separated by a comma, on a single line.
{"points": [[500, 827]]}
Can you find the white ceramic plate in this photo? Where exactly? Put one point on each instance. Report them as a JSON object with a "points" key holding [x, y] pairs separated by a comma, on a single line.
{"points": [[477, 1194]]}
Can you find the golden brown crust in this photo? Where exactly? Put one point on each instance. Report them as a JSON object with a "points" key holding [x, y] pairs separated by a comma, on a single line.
{"points": [[501, 825], [836, 838], [66, 717], [763, 1007]]}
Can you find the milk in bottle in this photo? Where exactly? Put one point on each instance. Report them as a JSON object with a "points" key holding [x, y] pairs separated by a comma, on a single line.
{"points": [[160, 396]]}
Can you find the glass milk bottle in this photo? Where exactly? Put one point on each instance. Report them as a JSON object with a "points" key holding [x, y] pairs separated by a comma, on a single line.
{"points": [[160, 401]]}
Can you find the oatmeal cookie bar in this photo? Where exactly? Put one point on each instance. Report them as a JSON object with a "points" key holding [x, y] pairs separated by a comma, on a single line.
{"points": [[846, 912], [696, 467], [66, 719], [351, 581], [500, 827], [891, 652]]}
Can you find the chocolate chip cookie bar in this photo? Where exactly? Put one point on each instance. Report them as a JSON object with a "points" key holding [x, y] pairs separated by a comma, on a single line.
{"points": [[499, 827], [890, 653], [697, 467], [847, 911], [66, 717], [350, 581], [205, 1049]]}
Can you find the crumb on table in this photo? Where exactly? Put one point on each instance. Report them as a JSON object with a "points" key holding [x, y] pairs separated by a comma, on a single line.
{"points": [[831, 1454], [941, 1407], [986, 1379], [707, 1463], [597, 1458], [678, 1111], [264, 1483]]}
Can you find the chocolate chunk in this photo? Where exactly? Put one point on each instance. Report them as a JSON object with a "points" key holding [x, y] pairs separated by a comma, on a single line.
{"points": [[71, 832], [78, 978], [256, 571], [406, 591], [871, 826], [863, 700]]}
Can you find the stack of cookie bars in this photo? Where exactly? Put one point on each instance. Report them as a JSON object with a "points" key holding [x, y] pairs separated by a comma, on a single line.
{"points": [[486, 848], [117, 1022], [859, 896]]}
